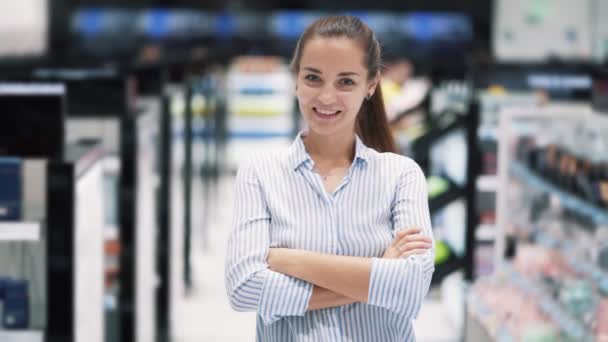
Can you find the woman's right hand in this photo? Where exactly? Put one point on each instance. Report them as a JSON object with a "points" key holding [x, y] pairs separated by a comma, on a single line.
{"points": [[406, 243]]}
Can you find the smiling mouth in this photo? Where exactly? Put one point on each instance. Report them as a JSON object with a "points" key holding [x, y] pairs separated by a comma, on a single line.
{"points": [[326, 113]]}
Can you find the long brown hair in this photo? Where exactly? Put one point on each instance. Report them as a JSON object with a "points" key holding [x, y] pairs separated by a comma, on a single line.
{"points": [[372, 124]]}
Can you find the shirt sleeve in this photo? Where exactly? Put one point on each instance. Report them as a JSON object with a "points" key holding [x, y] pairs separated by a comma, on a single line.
{"points": [[250, 284], [400, 285]]}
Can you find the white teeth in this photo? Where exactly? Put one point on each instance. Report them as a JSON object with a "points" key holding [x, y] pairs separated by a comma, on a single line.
{"points": [[325, 112]]}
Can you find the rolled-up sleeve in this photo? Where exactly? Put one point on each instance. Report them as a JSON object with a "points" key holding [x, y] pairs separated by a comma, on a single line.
{"points": [[250, 284], [400, 285]]}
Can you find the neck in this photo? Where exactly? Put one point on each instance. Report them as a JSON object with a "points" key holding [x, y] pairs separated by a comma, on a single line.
{"points": [[330, 151]]}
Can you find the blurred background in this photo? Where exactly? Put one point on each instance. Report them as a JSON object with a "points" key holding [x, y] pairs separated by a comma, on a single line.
{"points": [[122, 125]]}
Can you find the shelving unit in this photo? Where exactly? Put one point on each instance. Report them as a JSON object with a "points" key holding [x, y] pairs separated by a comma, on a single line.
{"points": [[581, 266], [21, 336], [515, 121], [538, 215], [439, 127], [598, 215], [422, 145], [102, 106], [493, 93], [573, 328], [476, 330]]}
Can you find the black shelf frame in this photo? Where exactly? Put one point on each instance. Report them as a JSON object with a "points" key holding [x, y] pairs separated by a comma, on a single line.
{"points": [[84, 86], [454, 192], [164, 200], [421, 148], [61, 179]]}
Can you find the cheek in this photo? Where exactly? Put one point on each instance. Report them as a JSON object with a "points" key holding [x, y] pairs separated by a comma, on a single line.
{"points": [[305, 94], [350, 101]]}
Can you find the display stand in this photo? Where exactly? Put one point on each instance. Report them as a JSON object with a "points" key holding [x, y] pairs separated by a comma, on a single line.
{"points": [[549, 227]]}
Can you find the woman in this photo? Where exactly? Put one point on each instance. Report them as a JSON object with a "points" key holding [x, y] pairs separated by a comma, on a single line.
{"points": [[322, 246]]}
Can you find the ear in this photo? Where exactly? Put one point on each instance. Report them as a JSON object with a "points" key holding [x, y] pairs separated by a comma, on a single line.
{"points": [[372, 84]]}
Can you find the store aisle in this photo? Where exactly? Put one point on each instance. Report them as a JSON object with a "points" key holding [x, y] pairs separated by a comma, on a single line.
{"points": [[205, 314]]}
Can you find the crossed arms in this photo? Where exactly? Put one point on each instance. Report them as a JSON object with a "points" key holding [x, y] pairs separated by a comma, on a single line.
{"points": [[288, 282]]}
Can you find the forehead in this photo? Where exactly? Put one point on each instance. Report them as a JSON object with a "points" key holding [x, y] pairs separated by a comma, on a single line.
{"points": [[333, 55]]}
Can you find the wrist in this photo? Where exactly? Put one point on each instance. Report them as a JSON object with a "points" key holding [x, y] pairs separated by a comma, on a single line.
{"points": [[279, 258]]}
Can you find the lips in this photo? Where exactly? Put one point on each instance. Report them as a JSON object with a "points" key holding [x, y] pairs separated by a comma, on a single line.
{"points": [[326, 113]]}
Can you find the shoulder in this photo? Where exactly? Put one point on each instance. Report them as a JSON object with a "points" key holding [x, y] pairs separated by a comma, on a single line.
{"points": [[399, 164], [262, 163]]}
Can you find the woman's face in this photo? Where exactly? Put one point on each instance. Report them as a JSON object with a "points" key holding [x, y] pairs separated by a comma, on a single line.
{"points": [[332, 83]]}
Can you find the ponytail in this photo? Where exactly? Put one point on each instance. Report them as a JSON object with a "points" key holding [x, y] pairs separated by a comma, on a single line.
{"points": [[372, 124]]}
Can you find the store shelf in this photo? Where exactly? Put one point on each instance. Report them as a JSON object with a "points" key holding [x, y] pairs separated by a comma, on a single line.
{"points": [[19, 231], [483, 314], [487, 183], [488, 132], [598, 215], [485, 233], [564, 320], [583, 267], [21, 336]]}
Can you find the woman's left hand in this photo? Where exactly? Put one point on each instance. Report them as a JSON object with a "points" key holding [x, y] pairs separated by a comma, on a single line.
{"points": [[406, 243]]}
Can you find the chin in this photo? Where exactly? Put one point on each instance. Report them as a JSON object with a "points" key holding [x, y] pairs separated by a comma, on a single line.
{"points": [[328, 130], [323, 131]]}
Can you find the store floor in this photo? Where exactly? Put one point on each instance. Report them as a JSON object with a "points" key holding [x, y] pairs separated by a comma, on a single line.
{"points": [[204, 314]]}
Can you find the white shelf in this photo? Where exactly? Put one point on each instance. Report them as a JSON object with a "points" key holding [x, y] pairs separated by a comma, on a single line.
{"points": [[19, 231], [485, 232], [598, 215], [566, 322], [488, 132], [487, 183], [111, 232], [583, 267], [21, 336]]}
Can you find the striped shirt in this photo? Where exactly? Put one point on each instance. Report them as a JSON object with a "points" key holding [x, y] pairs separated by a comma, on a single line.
{"points": [[281, 202]]}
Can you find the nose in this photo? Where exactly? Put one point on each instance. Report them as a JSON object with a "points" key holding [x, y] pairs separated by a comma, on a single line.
{"points": [[327, 96]]}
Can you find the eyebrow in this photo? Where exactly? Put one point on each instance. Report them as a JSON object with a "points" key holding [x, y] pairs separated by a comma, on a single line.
{"points": [[345, 73]]}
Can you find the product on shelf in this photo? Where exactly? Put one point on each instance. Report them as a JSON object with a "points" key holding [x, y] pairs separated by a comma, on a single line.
{"points": [[578, 298], [14, 300], [601, 328], [508, 308], [442, 252], [10, 193], [437, 186], [533, 259], [579, 169]]}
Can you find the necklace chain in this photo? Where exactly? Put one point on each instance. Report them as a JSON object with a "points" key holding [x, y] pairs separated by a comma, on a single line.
{"points": [[324, 176]]}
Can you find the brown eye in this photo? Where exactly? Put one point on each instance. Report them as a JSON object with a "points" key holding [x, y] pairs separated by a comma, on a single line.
{"points": [[311, 77], [347, 82]]}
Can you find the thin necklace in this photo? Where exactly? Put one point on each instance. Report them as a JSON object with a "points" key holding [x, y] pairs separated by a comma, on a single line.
{"points": [[326, 175]]}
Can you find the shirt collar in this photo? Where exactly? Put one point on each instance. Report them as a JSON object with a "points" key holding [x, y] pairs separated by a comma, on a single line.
{"points": [[298, 154]]}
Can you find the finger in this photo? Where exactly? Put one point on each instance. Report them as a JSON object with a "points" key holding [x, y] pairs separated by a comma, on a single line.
{"points": [[418, 238], [408, 231], [395, 241], [403, 234], [414, 245], [414, 252], [414, 238]]}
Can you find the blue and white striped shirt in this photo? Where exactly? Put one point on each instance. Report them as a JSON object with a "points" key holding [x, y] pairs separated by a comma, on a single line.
{"points": [[281, 202]]}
